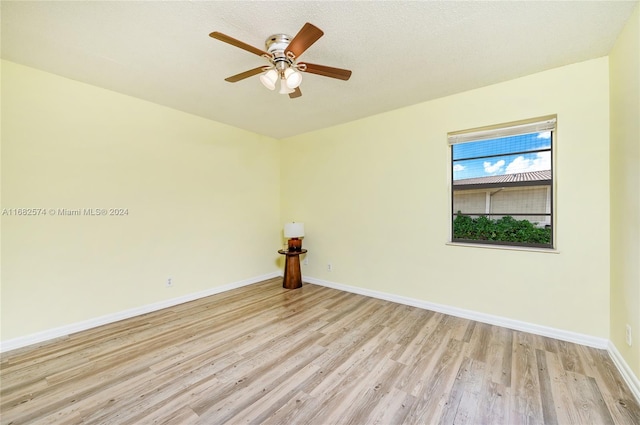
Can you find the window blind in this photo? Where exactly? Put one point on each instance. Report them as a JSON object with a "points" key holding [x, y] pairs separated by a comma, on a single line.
{"points": [[504, 130]]}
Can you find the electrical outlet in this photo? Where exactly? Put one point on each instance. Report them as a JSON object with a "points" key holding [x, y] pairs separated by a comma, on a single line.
{"points": [[628, 335], [169, 283], [306, 261], [329, 267]]}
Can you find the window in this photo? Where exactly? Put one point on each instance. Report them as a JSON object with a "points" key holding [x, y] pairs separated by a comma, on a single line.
{"points": [[502, 184]]}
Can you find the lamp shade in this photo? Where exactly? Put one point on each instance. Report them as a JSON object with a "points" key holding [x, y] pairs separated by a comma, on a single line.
{"points": [[293, 78], [284, 89], [294, 230], [269, 78]]}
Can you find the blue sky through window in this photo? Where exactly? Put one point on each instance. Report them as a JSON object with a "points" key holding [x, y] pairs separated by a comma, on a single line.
{"points": [[506, 155]]}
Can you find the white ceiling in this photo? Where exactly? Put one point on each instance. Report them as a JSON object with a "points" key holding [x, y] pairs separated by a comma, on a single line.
{"points": [[400, 52]]}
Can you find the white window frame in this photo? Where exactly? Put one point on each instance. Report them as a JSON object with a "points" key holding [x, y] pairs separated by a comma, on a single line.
{"points": [[533, 125]]}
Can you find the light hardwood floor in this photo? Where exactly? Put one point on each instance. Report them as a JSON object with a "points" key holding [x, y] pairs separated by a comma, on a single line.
{"points": [[314, 355]]}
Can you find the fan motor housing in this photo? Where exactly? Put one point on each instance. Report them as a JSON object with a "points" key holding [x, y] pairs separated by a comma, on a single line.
{"points": [[277, 42], [276, 45]]}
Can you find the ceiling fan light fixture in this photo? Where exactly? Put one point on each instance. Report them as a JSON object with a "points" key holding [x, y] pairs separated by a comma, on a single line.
{"points": [[269, 79], [293, 78], [282, 52]]}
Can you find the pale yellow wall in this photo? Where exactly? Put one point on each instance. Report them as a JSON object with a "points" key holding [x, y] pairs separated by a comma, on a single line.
{"points": [[624, 64], [203, 201], [374, 197]]}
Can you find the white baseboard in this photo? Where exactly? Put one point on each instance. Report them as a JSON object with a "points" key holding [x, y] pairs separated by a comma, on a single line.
{"points": [[62, 331], [625, 370], [563, 335]]}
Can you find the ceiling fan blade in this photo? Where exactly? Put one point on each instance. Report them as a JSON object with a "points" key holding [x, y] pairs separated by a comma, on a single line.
{"points": [[238, 43], [327, 71], [308, 35], [296, 93], [246, 74]]}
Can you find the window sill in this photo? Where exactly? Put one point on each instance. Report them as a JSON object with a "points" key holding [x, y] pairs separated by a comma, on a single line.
{"points": [[505, 247]]}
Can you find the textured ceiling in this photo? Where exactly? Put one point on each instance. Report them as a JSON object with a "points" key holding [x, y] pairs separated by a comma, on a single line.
{"points": [[400, 52]]}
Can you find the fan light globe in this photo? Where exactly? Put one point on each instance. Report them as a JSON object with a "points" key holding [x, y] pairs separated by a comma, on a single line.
{"points": [[293, 78], [269, 78], [284, 89]]}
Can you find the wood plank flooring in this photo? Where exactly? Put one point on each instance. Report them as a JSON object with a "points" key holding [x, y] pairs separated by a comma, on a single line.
{"points": [[314, 355]]}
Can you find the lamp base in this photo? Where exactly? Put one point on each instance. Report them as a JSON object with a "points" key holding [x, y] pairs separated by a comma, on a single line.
{"points": [[295, 244]]}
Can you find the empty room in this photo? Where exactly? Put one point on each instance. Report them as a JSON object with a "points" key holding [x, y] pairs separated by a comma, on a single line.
{"points": [[320, 212]]}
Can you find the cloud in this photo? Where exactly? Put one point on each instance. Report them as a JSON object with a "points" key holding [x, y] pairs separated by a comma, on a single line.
{"points": [[493, 168], [542, 161], [544, 135], [458, 167]]}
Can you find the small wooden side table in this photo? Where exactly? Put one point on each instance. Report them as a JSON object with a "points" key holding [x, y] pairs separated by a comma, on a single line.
{"points": [[292, 276]]}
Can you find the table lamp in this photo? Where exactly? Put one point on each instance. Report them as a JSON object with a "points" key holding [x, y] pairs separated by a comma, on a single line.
{"points": [[294, 231]]}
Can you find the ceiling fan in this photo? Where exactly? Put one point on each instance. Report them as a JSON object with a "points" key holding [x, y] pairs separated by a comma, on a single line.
{"points": [[282, 53]]}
